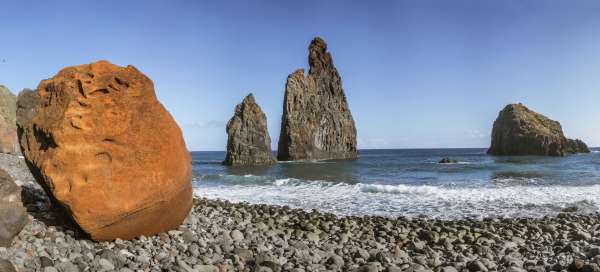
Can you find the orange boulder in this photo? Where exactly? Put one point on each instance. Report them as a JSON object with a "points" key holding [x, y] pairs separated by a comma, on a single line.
{"points": [[104, 148]]}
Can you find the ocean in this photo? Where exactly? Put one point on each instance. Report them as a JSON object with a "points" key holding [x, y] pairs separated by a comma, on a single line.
{"points": [[410, 183]]}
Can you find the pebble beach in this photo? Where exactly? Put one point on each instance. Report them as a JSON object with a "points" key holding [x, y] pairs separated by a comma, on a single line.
{"points": [[224, 236]]}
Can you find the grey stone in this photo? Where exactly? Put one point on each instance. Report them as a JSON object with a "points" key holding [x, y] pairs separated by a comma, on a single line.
{"points": [[236, 235], [50, 269], [106, 264], [13, 216], [6, 266]]}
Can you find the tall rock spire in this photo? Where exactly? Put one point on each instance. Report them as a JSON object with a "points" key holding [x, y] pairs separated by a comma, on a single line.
{"points": [[316, 123]]}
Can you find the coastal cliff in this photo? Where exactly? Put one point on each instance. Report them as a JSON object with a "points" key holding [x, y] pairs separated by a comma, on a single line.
{"points": [[521, 131], [248, 141], [8, 127], [316, 122]]}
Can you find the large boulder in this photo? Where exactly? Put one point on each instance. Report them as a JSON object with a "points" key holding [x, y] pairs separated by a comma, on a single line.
{"points": [[521, 131], [13, 216], [103, 147], [248, 141], [316, 123], [8, 127]]}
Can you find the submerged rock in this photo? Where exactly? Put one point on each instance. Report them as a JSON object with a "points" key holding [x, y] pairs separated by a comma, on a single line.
{"points": [[521, 131], [447, 160], [13, 216], [248, 140], [8, 127], [102, 146], [316, 122]]}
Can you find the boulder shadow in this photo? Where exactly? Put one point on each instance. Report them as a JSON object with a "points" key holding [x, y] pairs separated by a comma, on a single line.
{"points": [[49, 212]]}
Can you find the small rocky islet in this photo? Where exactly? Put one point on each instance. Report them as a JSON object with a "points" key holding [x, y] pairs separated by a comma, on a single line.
{"points": [[521, 131], [248, 141], [76, 215]]}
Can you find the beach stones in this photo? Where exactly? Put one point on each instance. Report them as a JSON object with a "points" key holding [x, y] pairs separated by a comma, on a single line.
{"points": [[316, 123], [8, 127], [248, 141], [103, 147], [521, 131], [13, 216]]}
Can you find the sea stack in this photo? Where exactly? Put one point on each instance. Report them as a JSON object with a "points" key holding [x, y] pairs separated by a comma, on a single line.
{"points": [[316, 122], [248, 141], [521, 131], [103, 147], [8, 126]]}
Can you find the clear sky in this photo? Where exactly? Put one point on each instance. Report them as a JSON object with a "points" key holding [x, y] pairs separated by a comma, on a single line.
{"points": [[416, 73]]}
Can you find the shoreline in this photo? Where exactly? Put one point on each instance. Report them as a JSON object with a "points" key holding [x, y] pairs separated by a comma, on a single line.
{"points": [[220, 236], [225, 236]]}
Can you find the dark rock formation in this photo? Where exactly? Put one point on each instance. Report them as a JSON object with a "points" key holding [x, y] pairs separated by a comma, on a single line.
{"points": [[316, 122], [248, 141], [521, 131], [577, 146], [447, 160], [103, 147], [8, 127], [13, 216]]}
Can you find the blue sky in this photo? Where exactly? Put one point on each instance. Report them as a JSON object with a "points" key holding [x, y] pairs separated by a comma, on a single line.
{"points": [[418, 74]]}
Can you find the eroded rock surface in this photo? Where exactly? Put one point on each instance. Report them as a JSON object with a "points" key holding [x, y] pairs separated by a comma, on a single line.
{"points": [[102, 146], [248, 140], [316, 123], [8, 127], [521, 131], [13, 216]]}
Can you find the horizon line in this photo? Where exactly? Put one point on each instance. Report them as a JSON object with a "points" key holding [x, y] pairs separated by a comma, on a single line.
{"points": [[402, 148]]}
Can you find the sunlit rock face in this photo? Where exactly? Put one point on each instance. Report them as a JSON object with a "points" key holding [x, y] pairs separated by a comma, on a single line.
{"points": [[316, 123], [103, 147], [8, 127], [248, 140], [521, 131]]}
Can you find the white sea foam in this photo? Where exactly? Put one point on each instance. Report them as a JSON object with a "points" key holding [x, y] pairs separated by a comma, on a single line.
{"points": [[423, 190], [282, 182], [409, 200]]}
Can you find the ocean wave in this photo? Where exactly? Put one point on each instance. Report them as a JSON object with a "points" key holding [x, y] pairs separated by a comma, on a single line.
{"points": [[307, 162], [399, 189], [411, 200]]}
